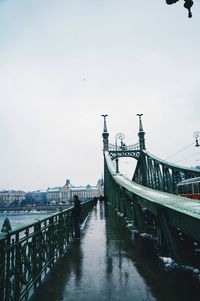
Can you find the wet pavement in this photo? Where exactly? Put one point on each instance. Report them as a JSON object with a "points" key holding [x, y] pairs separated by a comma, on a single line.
{"points": [[109, 264]]}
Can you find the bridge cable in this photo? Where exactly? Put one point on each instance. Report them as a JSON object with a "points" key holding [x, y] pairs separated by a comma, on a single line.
{"points": [[180, 150], [188, 157]]}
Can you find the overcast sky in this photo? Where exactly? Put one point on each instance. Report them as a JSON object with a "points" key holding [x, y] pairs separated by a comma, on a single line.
{"points": [[63, 63]]}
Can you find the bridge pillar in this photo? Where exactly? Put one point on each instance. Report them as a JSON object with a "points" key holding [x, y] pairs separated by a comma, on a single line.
{"points": [[105, 134], [141, 134]]}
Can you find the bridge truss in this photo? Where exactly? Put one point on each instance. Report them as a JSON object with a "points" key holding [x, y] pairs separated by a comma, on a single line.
{"points": [[149, 200]]}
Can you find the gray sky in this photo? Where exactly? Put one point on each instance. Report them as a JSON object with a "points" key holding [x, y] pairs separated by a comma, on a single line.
{"points": [[64, 63]]}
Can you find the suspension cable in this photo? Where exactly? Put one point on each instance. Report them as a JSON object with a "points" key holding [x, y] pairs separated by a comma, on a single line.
{"points": [[180, 150], [188, 157]]}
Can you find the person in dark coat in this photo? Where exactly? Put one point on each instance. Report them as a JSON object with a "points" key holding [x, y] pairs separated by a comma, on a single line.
{"points": [[76, 216], [101, 199], [95, 201]]}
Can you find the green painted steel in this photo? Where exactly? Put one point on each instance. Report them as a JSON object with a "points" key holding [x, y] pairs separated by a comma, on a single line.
{"points": [[159, 174], [150, 200], [28, 253], [165, 199], [151, 171], [181, 210]]}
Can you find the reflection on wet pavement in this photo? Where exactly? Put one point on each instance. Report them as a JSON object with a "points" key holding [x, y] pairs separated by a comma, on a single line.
{"points": [[106, 264]]}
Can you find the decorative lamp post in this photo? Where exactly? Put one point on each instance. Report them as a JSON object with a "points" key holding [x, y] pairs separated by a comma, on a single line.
{"points": [[196, 135], [120, 136]]}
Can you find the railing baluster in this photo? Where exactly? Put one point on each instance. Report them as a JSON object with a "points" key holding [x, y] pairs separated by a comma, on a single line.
{"points": [[29, 252]]}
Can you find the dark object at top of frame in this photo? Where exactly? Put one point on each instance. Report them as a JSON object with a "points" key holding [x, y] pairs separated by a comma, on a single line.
{"points": [[188, 4]]}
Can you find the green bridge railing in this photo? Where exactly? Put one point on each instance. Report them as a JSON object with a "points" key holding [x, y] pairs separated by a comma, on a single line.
{"points": [[29, 252], [172, 221]]}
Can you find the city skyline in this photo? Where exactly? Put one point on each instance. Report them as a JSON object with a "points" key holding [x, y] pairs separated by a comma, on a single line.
{"points": [[64, 64], [61, 185]]}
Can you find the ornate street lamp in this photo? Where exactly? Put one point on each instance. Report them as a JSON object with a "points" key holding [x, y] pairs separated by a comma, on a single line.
{"points": [[120, 136], [196, 135]]}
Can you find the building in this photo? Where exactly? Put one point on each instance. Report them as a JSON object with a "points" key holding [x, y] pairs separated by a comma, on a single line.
{"points": [[53, 195], [37, 197], [64, 194], [84, 192], [100, 185], [11, 197]]}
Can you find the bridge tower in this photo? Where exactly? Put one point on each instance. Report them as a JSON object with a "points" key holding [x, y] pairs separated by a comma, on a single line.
{"points": [[141, 133], [105, 134]]}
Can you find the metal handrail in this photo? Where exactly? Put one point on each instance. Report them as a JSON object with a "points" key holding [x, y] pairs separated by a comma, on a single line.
{"points": [[27, 253]]}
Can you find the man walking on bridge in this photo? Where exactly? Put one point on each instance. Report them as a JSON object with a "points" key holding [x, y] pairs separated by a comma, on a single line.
{"points": [[76, 216]]}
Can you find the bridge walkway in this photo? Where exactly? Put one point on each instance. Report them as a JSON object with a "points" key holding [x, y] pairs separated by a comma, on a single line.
{"points": [[107, 264]]}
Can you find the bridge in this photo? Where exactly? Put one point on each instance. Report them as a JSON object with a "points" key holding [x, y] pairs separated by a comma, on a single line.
{"points": [[147, 204], [149, 200]]}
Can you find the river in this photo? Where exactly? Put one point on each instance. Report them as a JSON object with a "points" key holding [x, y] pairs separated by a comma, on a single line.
{"points": [[19, 219]]}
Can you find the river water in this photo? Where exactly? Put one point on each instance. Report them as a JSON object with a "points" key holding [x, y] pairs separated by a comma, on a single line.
{"points": [[110, 264], [19, 219]]}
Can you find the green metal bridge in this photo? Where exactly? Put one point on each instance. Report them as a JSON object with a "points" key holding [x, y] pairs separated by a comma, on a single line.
{"points": [[149, 200], [28, 253]]}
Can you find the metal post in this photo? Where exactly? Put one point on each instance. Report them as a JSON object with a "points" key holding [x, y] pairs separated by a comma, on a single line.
{"points": [[116, 159], [196, 135], [120, 136]]}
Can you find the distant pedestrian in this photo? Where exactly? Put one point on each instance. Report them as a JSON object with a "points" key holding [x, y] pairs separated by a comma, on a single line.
{"points": [[101, 199], [95, 201], [76, 216]]}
